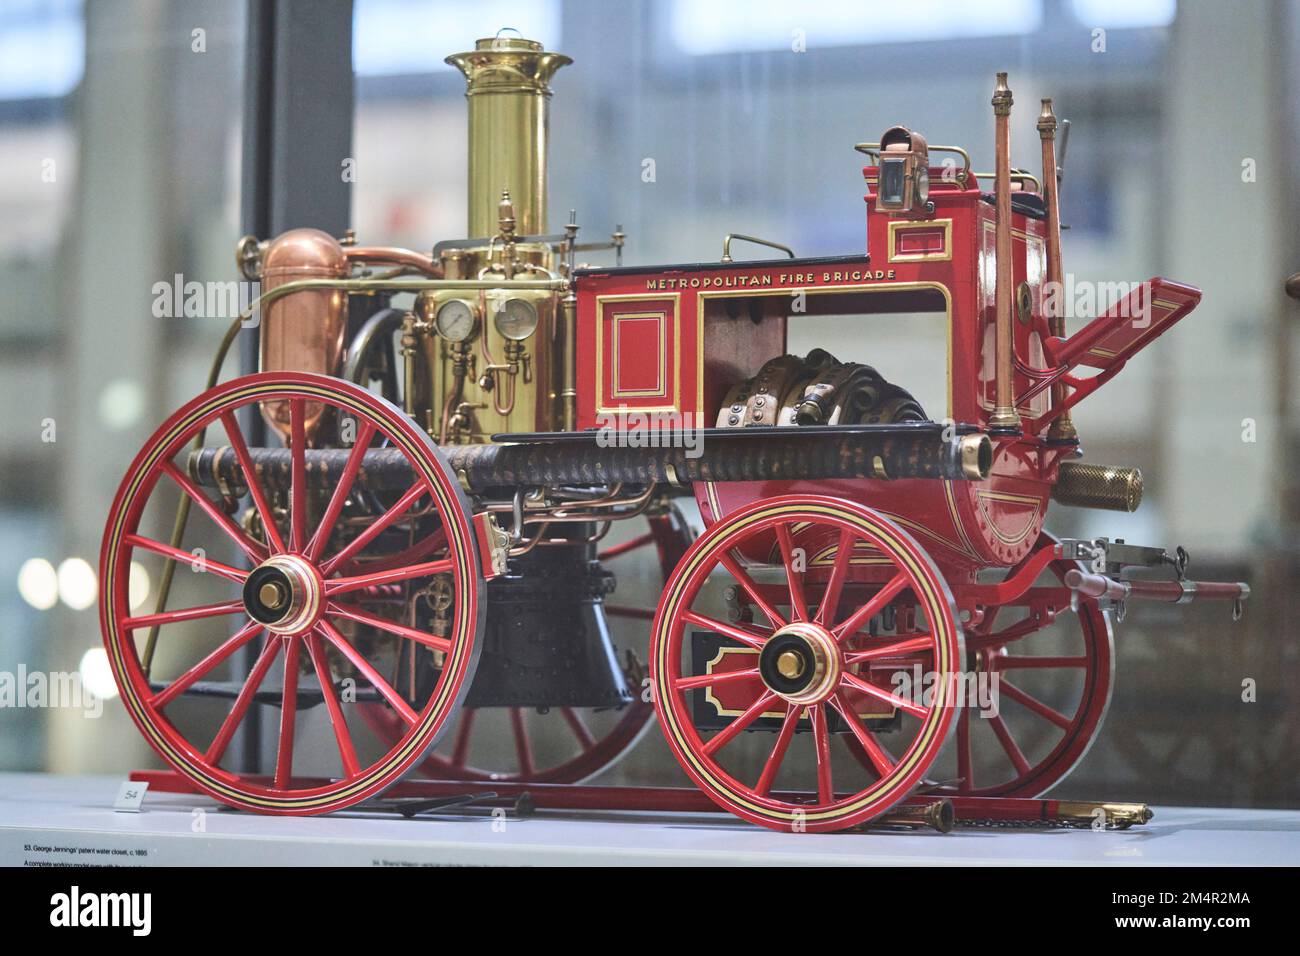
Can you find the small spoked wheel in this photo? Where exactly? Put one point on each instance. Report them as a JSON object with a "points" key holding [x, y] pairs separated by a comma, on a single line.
{"points": [[1049, 671], [828, 602], [288, 589]]}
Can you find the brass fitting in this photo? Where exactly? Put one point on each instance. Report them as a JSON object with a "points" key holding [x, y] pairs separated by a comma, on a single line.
{"points": [[1085, 485]]}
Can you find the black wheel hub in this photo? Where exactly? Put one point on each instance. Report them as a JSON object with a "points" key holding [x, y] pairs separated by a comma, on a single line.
{"points": [[268, 595], [787, 664]]}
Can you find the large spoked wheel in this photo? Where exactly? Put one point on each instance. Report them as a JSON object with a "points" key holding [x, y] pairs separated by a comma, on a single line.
{"points": [[295, 584], [859, 600], [1053, 670], [569, 744]]}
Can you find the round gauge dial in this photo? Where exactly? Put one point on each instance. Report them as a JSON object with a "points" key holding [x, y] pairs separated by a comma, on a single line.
{"points": [[455, 320], [516, 319]]}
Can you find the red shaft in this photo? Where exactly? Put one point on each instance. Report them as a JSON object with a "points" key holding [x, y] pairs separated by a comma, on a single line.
{"points": [[1173, 592]]}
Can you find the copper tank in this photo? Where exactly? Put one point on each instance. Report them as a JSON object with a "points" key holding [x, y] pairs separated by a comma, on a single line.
{"points": [[303, 331]]}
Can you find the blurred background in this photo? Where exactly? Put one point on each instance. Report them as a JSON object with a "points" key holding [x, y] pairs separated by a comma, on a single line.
{"points": [[121, 148]]}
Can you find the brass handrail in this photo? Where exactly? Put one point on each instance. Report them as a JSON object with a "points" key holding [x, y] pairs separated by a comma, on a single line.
{"points": [[1019, 174], [872, 150], [726, 245]]}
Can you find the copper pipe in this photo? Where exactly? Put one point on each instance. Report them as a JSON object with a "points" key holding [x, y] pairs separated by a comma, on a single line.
{"points": [[1062, 428], [395, 255], [1004, 413]]}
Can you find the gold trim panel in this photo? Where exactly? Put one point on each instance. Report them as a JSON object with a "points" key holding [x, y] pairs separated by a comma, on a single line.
{"points": [[896, 226]]}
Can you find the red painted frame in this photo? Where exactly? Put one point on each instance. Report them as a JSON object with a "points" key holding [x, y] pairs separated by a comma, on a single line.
{"points": [[948, 259]]}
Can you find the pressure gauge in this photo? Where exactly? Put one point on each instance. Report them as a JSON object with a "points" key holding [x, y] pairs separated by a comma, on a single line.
{"points": [[516, 319], [455, 320]]}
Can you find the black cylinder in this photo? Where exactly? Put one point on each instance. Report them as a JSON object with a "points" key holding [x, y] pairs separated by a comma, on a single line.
{"points": [[912, 450]]}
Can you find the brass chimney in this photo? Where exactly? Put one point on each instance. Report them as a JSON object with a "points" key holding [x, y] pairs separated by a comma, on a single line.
{"points": [[507, 85]]}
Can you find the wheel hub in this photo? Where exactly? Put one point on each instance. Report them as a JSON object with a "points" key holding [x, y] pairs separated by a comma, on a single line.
{"points": [[801, 662], [284, 593]]}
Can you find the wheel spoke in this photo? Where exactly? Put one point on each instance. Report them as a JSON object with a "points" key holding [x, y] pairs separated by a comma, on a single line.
{"points": [[460, 750], [922, 642], [297, 473], [965, 765], [254, 552], [745, 636], [386, 690], [990, 617], [873, 607], [1009, 744], [335, 507], [835, 584], [747, 583], [798, 603], [353, 613], [880, 758], [1014, 632], [255, 491], [614, 550], [1015, 663], [239, 708], [902, 703], [347, 751], [523, 746], [1033, 704], [288, 713], [377, 527], [185, 614], [633, 613], [717, 677], [205, 666], [572, 718], [203, 564], [822, 744], [774, 759], [729, 733], [425, 570]]}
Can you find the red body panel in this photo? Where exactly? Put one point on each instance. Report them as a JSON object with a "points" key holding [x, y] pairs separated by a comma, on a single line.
{"points": [[698, 329]]}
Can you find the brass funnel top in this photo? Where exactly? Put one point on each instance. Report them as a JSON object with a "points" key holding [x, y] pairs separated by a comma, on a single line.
{"points": [[508, 65], [507, 129]]}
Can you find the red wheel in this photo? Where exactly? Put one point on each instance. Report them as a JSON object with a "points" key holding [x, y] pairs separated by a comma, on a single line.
{"points": [[1056, 669], [300, 597], [815, 658], [566, 744]]}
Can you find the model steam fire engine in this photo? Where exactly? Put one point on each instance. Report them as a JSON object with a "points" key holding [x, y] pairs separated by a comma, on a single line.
{"points": [[425, 519]]}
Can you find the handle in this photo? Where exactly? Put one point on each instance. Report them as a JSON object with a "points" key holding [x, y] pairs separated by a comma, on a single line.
{"points": [[1172, 592], [726, 245]]}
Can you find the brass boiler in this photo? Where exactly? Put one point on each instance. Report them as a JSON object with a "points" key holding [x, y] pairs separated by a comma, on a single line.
{"points": [[470, 390]]}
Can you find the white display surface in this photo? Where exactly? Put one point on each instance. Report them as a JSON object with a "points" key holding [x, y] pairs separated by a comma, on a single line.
{"points": [[47, 820]]}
